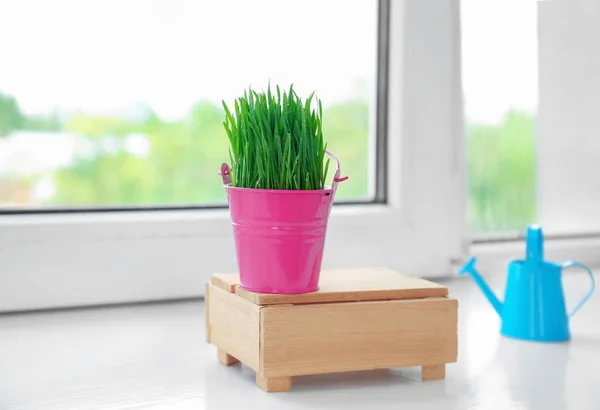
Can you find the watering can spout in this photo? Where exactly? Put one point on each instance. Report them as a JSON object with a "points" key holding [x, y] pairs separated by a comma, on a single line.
{"points": [[534, 241], [469, 268]]}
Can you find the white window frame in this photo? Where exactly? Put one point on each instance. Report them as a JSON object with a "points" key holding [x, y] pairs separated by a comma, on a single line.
{"points": [[74, 259], [570, 228], [59, 260]]}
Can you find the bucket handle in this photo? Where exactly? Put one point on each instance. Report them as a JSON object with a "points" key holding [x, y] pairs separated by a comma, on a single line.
{"points": [[226, 173], [336, 176]]}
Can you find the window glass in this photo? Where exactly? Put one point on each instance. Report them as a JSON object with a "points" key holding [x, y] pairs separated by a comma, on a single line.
{"points": [[118, 102], [500, 88]]}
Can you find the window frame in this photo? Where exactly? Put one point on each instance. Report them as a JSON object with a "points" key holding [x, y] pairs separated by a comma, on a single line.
{"points": [[562, 243], [72, 259]]}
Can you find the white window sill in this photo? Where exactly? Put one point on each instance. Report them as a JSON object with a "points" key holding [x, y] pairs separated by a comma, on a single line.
{"points": [[155, 356]]}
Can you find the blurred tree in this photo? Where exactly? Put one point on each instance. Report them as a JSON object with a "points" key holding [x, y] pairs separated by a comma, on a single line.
{"points": [[51, 122], [180, 167], [346, 129], [178, 161], [11, 117], [184, 158], [98, 127], [106, 173], [502, 174], [187, 155]]}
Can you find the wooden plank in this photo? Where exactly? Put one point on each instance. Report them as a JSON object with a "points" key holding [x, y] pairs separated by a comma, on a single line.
{"points": [[337, 337], [234, 326], [226, 281], [353, 286]]}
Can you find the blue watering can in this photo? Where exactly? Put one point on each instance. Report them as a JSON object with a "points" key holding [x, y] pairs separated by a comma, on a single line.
{"points": [[534, 305]]}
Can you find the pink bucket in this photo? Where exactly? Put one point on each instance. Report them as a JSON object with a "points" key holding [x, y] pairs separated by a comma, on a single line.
{"points": [[280, 235]]}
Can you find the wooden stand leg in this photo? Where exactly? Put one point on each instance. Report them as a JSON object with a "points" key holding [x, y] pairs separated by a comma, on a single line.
{"points": [[225, 358], [274, 384], [434, 372]]}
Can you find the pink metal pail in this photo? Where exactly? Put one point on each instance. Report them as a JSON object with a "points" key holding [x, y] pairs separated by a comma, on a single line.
{"points": [[280, 234]]}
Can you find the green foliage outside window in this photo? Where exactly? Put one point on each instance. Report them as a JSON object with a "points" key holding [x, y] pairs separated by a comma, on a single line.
{"points": [[145, 160]]}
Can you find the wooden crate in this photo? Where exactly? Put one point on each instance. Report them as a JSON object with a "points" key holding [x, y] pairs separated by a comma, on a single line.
{"points": [[358, 320]]}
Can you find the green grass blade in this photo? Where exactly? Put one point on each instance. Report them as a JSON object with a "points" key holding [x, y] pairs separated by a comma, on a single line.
{"points": [[276, 140]]}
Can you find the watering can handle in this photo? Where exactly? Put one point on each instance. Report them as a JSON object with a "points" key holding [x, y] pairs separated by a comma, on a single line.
{"points": [[568, 264]]}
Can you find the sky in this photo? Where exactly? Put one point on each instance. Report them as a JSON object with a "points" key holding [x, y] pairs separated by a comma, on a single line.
{"points": [[499, 57], [105, 55]]}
